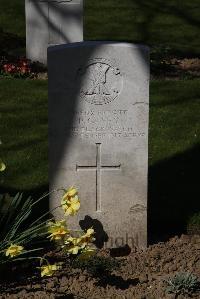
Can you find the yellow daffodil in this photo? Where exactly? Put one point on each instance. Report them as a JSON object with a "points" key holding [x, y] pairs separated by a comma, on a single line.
{"points": [[57, 230], [73, 245], [88, 237], [54, 225], [48, 270], [74, 249], [89, 232], [69, 193], [80, 244], [2, 166], [71, 207], [58, 234], [14, 250]]}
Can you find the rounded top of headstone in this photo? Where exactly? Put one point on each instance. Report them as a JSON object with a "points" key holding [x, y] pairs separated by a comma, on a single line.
{"points": [[58, 1], [97, 44]]}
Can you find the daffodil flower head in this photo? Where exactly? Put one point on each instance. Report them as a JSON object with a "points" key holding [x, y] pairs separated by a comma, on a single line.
{"points": [[48, 270], [88, 237], [71, 207], [69, 193], [73, 241], [57, 230], [14, 250], [56, 224], [58, 234], [73, 245], [2, 166], [74, 250], [90, 232]]}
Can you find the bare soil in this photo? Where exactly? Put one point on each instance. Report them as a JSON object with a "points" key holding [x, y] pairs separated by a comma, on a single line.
{"points": [[141, 276]]}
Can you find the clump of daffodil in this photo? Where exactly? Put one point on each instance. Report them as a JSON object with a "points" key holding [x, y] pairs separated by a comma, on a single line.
{"points": [[70, 201], [58, 230], [2, 165], [14, 250], [80, 244], [49, 270]]}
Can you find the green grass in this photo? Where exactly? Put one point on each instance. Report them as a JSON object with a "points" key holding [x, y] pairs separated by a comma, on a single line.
{"points": [[173, 23], [174, 127], [23, 127], [174, 118]]}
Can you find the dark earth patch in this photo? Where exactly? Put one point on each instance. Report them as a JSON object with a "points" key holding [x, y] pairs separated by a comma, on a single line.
{"points": [[141, 275]]}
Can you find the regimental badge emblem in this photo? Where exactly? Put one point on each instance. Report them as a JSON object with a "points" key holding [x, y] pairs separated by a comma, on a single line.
{"points": [[101, 81]]}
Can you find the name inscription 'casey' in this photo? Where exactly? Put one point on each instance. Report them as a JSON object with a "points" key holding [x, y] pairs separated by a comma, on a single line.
{"points": [[107, 123]]}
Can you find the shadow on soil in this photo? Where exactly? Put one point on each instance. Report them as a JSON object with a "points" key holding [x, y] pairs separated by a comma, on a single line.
{"points": [[173, 194], [116, 281]]}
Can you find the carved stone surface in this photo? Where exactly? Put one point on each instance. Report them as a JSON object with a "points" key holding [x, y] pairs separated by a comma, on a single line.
{"points": [[50, 22], [102, 81], [98, 136]]}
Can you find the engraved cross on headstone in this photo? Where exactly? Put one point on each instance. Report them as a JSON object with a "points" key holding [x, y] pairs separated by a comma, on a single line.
{"points": [[98, 169]]}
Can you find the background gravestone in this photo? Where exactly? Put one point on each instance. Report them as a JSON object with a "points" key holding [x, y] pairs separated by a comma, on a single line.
{"points": [[98, 136], [51, 22]]}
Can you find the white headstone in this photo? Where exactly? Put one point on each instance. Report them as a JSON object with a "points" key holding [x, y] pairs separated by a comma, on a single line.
{"points": [[50, 22], [98, 136]]}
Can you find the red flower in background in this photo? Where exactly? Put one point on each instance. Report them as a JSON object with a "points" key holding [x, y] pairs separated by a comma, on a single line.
{"points": [[21, 66], [9, 68]]}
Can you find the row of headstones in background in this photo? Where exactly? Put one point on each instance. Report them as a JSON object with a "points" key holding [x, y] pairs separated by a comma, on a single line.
{"points": [[98, 136], [50, 22]]}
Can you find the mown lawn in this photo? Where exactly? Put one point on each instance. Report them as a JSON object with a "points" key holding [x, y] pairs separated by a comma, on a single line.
{"points": [[174, 118], [23, 127], [172, 23], [174, 127]]}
